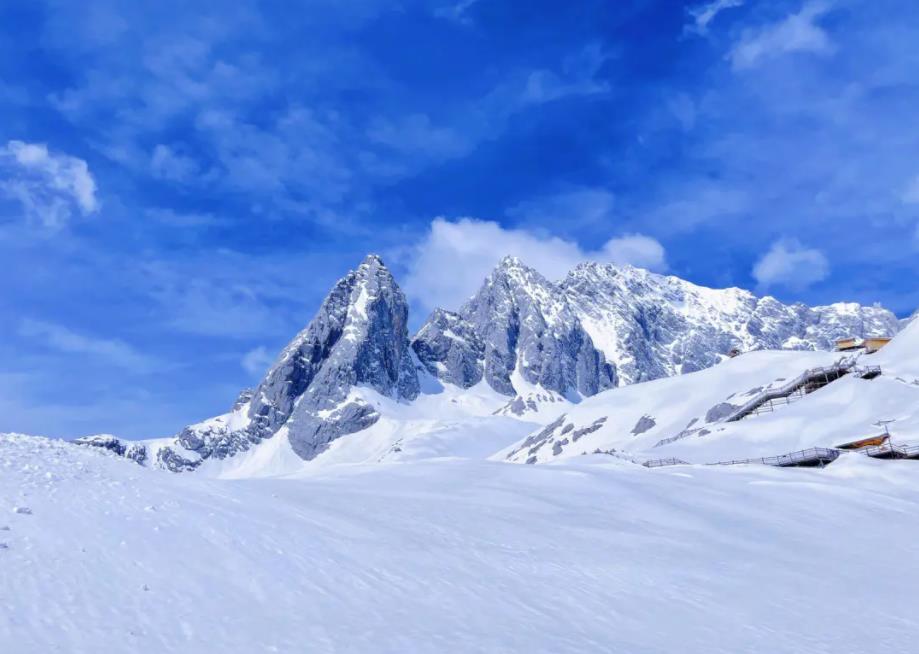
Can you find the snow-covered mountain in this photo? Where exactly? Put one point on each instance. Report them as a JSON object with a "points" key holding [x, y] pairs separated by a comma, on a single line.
{"points": [[652, 326], [522, 347], [685, 417], [520, 335]]}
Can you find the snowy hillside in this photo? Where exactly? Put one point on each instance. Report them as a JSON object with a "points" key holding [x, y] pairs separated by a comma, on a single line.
{"points": [[684, 417], [449, 423], [98, 554]]}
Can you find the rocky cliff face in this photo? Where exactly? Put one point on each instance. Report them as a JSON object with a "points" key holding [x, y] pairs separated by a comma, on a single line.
{"points": [[516, 331], [653, 326], [359, 337], [449, 348]]}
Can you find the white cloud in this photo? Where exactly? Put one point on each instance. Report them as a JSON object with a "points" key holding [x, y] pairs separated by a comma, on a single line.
{"points": [[257, 361], [796, 33], [788, 263], [703, 14], [637, 250], [50, 187], [63, 339], [449, 264]]}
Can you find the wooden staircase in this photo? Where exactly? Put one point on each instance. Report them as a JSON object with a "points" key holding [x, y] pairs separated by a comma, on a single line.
{"points": [[804, 384]]}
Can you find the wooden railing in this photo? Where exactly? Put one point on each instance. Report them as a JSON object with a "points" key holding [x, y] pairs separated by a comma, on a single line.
{"points": [[814, 456], [660, 463]]}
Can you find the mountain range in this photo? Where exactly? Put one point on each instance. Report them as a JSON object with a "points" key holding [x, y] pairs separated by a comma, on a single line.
{"points": [[532, 345]]}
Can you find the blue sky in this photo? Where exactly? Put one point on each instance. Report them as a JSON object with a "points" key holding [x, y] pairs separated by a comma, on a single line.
{"points": [[180, 183]]}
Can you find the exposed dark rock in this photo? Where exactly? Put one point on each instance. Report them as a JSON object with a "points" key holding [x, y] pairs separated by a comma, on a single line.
{"points": [[644, 424], [518, 321], [719, 412]]}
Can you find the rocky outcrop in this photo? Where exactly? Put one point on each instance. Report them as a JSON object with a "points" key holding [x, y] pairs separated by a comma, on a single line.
{"points": [[136, 452], [359, 337], [449, 348], [653, 326], [516, 325]]}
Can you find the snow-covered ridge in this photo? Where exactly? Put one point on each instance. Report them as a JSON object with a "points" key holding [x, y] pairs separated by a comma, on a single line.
{"points": [[652, 326], [685, 417], [517, 331]]}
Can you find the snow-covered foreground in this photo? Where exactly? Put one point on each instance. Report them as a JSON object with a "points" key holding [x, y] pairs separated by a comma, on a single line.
{"points": [[587, 555]]}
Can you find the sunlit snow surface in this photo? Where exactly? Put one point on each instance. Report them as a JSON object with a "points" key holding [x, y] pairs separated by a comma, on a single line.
{"points": [[455, 556]]}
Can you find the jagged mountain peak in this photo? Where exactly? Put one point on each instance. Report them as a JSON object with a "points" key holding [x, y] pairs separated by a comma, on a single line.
{"points": [[373, 259], [513, 287], [631, 277], [517, 331], [510, 261], [512, 272], [655, 326], [358, 339]]}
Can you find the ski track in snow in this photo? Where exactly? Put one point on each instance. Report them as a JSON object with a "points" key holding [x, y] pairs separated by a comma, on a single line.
{"points": [[455, 556]]}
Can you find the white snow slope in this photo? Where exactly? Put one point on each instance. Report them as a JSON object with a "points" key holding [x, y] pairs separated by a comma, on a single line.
{"points": [[633, 420], [101, 555], [443, 422]]}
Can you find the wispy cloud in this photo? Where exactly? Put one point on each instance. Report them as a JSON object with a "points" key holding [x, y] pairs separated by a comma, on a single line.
{"points": [[107, 351], [50, 187], [403, 144], [578, 209], [797, 32], [256, 361], [702, 15], [228, 294], [416, 134], [457, 10], [578, 75]]}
